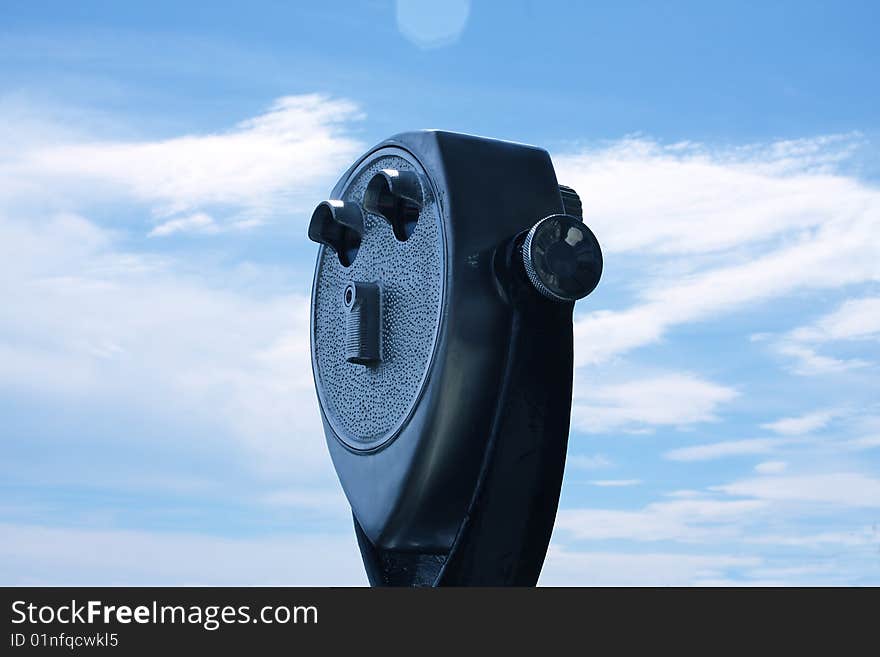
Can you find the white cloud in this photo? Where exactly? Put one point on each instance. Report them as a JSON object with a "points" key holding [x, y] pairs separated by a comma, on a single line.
{"points": [[667, 399], [771, 467], [162, 335], [862, 442], [616, 483], [751, 518], [141, 332], [685, 494], [760, 446], [330, 501], [40, 556], [196, 223], [643, 197], [685, 519], [808, 362], [276, 162], [844, 489], [754, 224], [859, 536], [794, 426], [854, 319], [722, 449], [584, 462], [567, 567]]}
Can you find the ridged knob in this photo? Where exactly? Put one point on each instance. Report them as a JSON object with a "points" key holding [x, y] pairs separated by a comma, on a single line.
{"points": [[571, 202], [562, 258]]}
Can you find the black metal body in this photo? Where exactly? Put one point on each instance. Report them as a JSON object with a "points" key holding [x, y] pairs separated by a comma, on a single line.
{"points": [[466, 491]]}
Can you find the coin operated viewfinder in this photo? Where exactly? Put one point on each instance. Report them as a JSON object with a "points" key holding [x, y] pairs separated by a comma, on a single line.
{"points": [[441, 338]]}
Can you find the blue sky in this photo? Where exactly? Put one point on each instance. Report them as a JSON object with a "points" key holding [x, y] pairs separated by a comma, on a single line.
{"points": [[158, 165]]}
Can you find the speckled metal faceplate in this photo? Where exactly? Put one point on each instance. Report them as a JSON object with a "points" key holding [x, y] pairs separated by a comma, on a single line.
{"points": [[367, 404]]}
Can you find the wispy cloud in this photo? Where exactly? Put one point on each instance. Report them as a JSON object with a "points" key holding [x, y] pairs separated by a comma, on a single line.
{"points": [[862, 442], [99, 315], [689, 198], [847, 489], [724, 448], [685, 520], [587, 462], [196, 223], [854, 320], [671, 399], [761, 519], [275, 162], [805, 226], [567, 567], [771, 467], [35, 556], [158, 338], [808, 362], [795, 426]]}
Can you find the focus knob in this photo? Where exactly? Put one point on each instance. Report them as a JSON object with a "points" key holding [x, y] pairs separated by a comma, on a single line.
{"points": [[562, 258]]}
